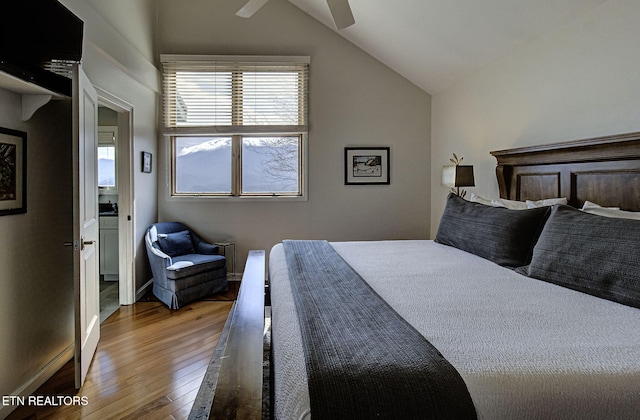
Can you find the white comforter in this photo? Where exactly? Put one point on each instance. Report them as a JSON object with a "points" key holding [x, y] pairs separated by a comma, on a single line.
{"points": [[525, 348]]}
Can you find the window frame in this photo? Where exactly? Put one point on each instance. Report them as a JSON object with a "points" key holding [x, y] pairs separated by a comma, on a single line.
{"points": [[236, 174], [237, 132], [113, 130]]}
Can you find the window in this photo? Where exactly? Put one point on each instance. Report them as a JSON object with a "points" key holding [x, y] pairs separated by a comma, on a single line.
{"points": [[237, 125], [107, 157]]}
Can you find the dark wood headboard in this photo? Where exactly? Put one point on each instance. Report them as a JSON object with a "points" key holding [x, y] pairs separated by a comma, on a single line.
{"points": [[604, 170]]}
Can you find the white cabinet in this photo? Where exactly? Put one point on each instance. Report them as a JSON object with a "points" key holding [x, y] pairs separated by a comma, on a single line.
{"points": [[109, 247]]}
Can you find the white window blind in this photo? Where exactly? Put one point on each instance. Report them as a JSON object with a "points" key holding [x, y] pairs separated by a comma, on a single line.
{"points": [[235, 94]]}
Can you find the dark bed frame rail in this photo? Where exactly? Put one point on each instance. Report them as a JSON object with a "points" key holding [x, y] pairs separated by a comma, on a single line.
{"points": [[238, 393], [605, 170]]}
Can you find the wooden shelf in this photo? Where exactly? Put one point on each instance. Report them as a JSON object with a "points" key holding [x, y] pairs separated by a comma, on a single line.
{"points": [[14, 84], [33, 96]]}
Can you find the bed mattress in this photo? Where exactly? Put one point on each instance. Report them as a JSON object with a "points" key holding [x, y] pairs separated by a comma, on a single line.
{"points": [[524, 347]]}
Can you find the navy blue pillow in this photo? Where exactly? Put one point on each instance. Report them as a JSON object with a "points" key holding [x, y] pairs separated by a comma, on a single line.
{"points": [[177, 243], [498, 234], [593, 254]]}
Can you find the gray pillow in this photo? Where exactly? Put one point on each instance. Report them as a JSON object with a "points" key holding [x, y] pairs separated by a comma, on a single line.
{"points": [[498, 234], [589, 253]]}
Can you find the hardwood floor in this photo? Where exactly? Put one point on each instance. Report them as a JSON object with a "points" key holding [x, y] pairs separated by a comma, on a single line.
{"points": [[149, 364], [109, 299]]}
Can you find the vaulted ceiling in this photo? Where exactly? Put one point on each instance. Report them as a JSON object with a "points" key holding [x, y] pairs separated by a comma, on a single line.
{"points": [[436, 43]]}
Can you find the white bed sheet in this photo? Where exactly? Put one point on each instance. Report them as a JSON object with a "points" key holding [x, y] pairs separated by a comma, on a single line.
{"points": [[526, 349]]}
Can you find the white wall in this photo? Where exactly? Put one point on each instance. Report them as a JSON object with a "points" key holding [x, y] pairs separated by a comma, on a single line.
{"points": [[135, 21], [36, 279], [354, 101], [582, 80], [118, 58]]}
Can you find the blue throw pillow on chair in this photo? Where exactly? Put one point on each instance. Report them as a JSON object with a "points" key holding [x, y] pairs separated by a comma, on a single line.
{"points": [[174, 244]]}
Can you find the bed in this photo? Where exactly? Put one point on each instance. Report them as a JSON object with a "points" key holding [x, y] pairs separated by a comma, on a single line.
{"points": [[532, 313]]}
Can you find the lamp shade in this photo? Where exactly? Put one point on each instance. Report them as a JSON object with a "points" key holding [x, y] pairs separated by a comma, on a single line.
{"points": [[458, 176]]}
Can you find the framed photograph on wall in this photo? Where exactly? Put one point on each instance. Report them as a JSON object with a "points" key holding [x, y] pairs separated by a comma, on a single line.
{"points": [[146, 162], [13, 171], [366, 165]]}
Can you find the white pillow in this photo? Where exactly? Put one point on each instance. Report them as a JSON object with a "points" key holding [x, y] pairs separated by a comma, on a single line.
{"points": [[477, 199], [591, 205], [499, 202], [613, 212], [546, 202], [510, 204], [517, 205]]}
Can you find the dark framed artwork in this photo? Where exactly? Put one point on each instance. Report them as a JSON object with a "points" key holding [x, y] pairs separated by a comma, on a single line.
{"points": [[146, 162], [13, 171], [366, 165]]}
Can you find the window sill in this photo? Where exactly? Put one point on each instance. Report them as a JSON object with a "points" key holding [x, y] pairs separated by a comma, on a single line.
{"points": [[239, 199]]}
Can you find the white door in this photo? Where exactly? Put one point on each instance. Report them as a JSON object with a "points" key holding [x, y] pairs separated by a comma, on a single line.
{"points": [[85, 223]]}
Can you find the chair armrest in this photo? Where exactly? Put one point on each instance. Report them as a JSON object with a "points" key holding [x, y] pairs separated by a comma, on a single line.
{"points": [[157, 258], [207, 248], [159, 255], [159, 261]]}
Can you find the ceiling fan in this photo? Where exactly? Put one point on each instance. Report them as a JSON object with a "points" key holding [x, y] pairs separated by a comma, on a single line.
{"points": [[340, 11]]}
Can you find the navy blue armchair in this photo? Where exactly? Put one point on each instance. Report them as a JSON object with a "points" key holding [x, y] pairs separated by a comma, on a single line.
{"points": [[185, 268]]}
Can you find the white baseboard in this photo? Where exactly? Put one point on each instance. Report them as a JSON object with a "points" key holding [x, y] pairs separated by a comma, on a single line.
{"points": [[234, 277], [37, 380], [144, 289]]}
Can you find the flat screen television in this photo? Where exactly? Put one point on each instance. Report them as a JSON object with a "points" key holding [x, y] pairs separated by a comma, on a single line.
{"points": [[38, 38]]}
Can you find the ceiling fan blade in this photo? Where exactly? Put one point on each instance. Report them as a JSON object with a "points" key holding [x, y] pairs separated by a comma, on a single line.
{"points": [[250, 8], [341, 12]]}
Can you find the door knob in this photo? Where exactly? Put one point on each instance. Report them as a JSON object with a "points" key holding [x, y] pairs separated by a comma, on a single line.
{"points": [[74, 244], [83, 243]]}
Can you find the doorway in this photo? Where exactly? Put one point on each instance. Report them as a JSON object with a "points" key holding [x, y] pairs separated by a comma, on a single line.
{"points": [[108, 210], [115, 202]]}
